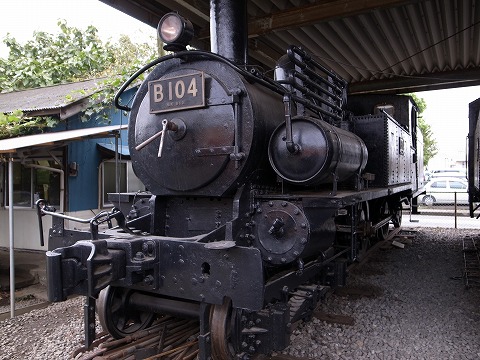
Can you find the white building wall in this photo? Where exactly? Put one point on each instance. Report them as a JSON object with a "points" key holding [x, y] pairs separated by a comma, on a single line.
{"points": [[26, 230]]}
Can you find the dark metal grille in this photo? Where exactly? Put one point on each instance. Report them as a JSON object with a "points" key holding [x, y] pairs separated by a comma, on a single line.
{"points": [[471, 256], [316, 87]]}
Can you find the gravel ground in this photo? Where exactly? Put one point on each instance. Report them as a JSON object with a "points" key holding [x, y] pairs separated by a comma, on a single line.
{"points": [[50, 333], [421, 311], [21, 301]]}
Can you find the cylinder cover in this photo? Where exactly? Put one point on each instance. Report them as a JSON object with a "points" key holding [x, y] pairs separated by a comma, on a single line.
{"points": [[283, 232]]}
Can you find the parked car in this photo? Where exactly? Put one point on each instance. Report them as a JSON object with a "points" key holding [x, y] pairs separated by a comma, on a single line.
{"points": [[456, 173], [442, 190]]}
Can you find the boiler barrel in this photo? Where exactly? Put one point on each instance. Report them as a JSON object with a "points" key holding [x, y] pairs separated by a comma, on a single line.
{"points": [[324, 150]]}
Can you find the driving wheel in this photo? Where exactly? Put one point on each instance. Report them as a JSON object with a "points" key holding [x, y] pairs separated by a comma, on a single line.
{"points": [[364, 241], [382, 233], [117, 317], [397, 217], [224, 331]]}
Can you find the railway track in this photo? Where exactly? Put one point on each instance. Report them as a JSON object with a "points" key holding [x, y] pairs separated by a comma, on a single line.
{"points": [[171, 338], [168, 338]]}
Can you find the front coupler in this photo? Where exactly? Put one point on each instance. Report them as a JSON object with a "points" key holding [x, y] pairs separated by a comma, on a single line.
{"points": [[90, 266]]}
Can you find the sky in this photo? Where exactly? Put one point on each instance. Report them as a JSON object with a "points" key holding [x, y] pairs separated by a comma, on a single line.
{"points": [[447, 114], [447, 110], [21, 18]]}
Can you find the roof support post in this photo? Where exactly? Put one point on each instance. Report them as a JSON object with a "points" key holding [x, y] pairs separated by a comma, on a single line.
{"points": [[11, 236], [117, 170]]}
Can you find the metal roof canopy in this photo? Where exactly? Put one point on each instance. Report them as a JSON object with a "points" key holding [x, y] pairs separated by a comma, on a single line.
{"points": [[390, 46], [109, 150], [14, 145]]}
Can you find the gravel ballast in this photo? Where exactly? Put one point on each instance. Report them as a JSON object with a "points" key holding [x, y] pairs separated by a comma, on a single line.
{"points": [[423, 310], [418, 309]]}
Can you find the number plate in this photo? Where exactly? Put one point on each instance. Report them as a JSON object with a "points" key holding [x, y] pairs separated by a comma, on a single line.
{"points": [[177, 93]]}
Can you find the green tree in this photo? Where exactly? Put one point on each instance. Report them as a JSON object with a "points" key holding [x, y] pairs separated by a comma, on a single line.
{"points": [[49, 59], [128, 58], [71, 55], [429, 143]]}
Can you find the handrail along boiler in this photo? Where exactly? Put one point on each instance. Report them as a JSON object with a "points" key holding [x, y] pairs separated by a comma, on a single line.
{"points": [[261, 191]]}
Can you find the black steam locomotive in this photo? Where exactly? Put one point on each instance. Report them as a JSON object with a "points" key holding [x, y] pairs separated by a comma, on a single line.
{"points": [[474, 157], [261, 191]]}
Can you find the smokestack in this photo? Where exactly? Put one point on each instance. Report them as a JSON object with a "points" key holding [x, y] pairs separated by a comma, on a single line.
{"points": [[228, 29]]}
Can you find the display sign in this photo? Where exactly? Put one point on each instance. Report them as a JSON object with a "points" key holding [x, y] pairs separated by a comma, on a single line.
{"points": [[177, 93]]}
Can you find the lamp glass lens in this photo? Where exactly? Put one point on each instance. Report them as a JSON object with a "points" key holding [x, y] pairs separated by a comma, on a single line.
{"points": [[171, 28]]}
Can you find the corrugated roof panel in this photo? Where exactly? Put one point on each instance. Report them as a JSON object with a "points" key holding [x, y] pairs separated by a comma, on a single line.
{"points": [[384, 55], [50, 97], [362, 39], [419, 30], [365, 41]]}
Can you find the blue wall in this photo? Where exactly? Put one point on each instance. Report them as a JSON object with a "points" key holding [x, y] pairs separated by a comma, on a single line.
{"points": [[82, 190]]}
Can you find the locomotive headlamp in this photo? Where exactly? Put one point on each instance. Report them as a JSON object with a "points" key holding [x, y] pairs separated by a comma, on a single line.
{"points": [[175, 31]]}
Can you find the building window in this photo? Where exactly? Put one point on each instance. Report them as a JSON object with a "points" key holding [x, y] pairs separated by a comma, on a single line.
{"points": [[128, 181], [39, 179]]}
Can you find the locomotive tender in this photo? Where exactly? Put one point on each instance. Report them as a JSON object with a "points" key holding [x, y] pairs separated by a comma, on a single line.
{"points": [[260, 192]]}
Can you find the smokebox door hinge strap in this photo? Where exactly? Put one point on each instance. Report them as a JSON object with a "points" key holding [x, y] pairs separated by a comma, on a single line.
{"points": [[237, 155]]}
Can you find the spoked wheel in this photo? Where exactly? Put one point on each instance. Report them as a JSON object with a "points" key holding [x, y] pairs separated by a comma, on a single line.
{"points": [[365, 240], [117, 317], [223, 331], [382, 233], [397, 217], [365, 245]]}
